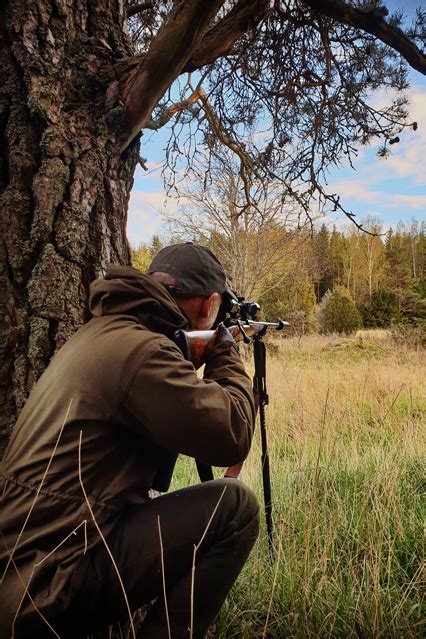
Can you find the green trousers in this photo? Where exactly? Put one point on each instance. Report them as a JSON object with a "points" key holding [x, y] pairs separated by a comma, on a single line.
{"points": [[155, 542]]}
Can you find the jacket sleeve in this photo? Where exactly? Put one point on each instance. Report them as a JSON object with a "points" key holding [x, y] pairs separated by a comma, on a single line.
{"points": [[211, 419]]}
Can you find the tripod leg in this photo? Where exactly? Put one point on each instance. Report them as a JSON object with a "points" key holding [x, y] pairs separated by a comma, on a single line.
{"points": [[259, 384], [266, 475]]}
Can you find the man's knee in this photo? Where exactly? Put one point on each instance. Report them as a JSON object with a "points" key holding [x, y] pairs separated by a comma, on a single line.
{"points": [[241, 506]]}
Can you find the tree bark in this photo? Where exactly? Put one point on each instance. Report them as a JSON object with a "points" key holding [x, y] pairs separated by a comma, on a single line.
{"points": [[64, 186]]}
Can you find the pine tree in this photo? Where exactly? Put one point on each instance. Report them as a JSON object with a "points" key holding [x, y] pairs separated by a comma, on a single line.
{"points": [[337, 251], [142, 256], [382, 310], [156, 245], [321, 270]]}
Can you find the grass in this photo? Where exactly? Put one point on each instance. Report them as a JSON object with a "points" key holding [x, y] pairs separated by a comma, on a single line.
{"points": [[347, 459]]}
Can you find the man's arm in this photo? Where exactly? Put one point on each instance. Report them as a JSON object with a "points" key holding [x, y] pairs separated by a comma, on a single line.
{"points": [[211, 419]]}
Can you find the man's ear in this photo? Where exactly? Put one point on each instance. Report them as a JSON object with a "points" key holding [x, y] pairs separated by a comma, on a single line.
{"points": [[209, 303]]}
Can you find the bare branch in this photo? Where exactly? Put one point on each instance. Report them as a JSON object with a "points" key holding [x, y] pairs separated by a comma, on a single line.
{"points": [[246, 162], [372, 21], [222, 37], [168, 113], [134, 9]]}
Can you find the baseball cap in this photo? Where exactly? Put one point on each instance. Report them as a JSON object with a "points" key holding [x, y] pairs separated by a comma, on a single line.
{"points": [[196, 269]]}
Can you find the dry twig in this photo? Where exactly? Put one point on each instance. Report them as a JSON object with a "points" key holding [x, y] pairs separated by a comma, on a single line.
{"points": [[196, 547], [103, 539], [36, 495]]}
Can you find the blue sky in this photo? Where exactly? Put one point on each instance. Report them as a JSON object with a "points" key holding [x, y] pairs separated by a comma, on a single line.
{"points": [[391, 190]]}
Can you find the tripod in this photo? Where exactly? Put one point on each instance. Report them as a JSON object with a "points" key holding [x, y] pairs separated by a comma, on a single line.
{"points": [[259, 387]]}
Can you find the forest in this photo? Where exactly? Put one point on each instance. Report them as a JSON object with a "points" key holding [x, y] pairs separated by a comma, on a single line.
{"points": [[325, 279]]}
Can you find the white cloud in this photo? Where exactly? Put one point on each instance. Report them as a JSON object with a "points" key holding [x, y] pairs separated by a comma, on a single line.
{"points": [[355, 189], [408, 157], [144, 219], [147, 200], [407, 201], [146, 214], [153, 171], [373, 182], [142, 230], [410, 160], [358, 190]]}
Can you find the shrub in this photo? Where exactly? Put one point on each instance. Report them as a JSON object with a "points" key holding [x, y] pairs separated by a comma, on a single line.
{"points": [[339, 313], [293, 300]]}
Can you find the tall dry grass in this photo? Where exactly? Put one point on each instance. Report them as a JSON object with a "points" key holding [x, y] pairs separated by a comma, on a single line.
{"points": [[346, 438]]}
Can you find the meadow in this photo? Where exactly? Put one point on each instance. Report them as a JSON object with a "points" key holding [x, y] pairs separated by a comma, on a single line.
{"points": [[347, 441]]}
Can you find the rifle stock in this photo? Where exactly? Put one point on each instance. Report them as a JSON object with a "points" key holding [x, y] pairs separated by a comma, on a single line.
{"points": [[197, 344]]}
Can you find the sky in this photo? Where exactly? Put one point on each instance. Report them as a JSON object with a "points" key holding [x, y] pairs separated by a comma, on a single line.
{"points": [[391, 189]]}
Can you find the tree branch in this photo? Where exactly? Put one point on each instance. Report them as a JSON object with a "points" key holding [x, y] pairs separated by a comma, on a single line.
{"points": [[372, 21], [134, 9], [246, 162], [168, 113], [222, 37], [170, 50]]}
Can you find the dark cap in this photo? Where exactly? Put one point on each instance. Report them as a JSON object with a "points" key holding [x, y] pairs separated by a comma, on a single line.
{"points": [[196, 270]]}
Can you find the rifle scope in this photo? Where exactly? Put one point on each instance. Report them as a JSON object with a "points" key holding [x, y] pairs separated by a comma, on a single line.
{"points": [[236, 307]]}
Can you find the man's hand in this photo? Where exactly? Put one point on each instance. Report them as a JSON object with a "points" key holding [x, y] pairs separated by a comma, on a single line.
{"points": [[233, 471], [223, 335]]}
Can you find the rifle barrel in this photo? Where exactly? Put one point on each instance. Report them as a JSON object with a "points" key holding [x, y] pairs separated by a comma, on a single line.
{"points": [[279, 325]]}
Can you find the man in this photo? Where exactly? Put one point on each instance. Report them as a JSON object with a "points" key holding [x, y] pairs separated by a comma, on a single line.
{"points": [[82, 544]]}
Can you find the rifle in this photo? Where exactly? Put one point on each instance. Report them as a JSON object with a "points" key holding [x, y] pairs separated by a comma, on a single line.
{"points": [[196, 344], [238, 316]]}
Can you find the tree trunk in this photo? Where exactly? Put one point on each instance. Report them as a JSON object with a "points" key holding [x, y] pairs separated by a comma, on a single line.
{"points": [[64, 186]]}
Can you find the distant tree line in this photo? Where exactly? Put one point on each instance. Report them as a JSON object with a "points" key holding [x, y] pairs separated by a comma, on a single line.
{"points": [[383, 274], [329, 280]]}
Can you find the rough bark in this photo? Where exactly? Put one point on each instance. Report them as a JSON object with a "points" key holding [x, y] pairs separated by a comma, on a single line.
{"points": [[64, 186]]}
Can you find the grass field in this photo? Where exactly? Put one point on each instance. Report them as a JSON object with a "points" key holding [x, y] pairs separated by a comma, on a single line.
{"points": [[347, 451]]}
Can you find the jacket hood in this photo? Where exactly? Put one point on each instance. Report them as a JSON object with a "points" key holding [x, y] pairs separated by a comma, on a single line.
{"points": [[126, 291]]}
